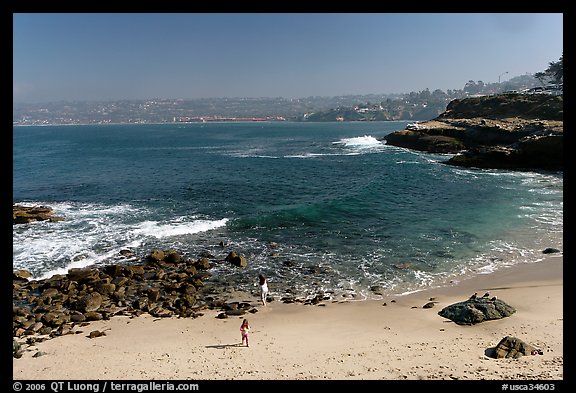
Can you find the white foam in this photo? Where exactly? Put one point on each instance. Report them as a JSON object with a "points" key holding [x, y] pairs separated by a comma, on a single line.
{"points": [[91, 234], [80, 263], [360, 142], [159, 230], [311, 155]]}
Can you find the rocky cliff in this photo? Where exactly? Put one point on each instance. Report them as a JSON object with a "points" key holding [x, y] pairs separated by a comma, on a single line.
{"points": [[512, 131]]}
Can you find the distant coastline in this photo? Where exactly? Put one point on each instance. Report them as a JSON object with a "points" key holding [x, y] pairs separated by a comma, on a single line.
{"points": [[198, 122], [206, 120], [413, 106]]}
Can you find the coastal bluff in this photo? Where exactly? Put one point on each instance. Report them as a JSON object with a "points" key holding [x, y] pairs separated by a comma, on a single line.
{"points": [[505, 131]]}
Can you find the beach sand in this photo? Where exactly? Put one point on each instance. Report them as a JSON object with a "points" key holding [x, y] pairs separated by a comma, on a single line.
{"points": [[357, 340]]}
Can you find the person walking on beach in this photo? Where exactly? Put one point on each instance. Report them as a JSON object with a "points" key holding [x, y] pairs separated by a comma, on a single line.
{"points": [[263, 288], [244, 329]]}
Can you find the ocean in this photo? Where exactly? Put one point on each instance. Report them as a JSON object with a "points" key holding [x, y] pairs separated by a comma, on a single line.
{"points": [[316, 207]]}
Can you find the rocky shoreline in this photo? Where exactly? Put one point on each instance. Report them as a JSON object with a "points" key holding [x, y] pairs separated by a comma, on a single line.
{"points": [[512, 131], [163, 283]]}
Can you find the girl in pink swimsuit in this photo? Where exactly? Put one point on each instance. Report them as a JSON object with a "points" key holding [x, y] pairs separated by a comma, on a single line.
{"points": [[244, 329]]}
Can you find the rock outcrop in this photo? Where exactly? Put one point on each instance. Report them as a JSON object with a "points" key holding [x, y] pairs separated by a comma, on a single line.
{"points": [[26, 214], [473, 311], [513, 347], [512, 131]]}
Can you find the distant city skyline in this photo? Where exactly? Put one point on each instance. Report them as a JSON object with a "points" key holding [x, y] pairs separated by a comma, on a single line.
{"points": [[116, 56]]}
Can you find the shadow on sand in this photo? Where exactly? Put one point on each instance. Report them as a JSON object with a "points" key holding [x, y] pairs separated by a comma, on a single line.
{"points": [[222, 346]]}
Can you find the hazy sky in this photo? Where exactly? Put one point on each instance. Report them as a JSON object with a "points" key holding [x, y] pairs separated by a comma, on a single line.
{"points": [[109, 56]]}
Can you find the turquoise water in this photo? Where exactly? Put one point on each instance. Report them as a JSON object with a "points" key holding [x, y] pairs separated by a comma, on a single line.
{"points": [[317, 207]]}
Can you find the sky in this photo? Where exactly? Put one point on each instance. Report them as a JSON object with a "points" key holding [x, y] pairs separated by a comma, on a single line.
{"points": [[115, 56]]}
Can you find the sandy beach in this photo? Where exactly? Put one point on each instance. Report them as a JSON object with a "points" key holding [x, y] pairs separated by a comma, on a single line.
{"points": [[390, 339]]}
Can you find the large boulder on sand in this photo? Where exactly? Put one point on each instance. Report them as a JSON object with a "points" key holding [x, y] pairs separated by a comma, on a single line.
{"points": [[513, 347], [473, 311]]}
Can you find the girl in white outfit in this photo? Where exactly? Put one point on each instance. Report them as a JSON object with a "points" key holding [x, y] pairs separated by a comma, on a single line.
{"points": [[263, 289]]}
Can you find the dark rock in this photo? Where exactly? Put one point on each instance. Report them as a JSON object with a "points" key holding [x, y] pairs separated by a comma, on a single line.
{"points": [[114, 271], [160, 312], [105, 288], [188, 289], [45, 330], [317, 299], [156, 255], [127, 253], [52, 319], [289, 263], [428, 305], [96, 333], [202, 263], [90, 302], [77, 317], [172, 256], [27, 214], [190, 271], [550, 250], [511, 347], [93, 316], [237, 260], [83, 275], [207, 254], [536, 152], [473, 311], [377, 289], [236, 312], [231, 306], [134, 271], [201, 276], [153, 294], [21, 275], [288, 299]]}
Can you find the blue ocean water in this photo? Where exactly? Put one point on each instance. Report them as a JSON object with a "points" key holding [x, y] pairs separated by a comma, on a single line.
{"points": [[317, 207]]}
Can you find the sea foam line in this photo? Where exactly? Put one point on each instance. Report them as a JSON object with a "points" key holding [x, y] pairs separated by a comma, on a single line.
{"points": [[155, 229], [360, 142]]}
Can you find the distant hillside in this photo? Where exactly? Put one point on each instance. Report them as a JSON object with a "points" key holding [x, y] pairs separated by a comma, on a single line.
{"points": [[422, 105], [165, 110], [402, 111], [418, 106]]}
